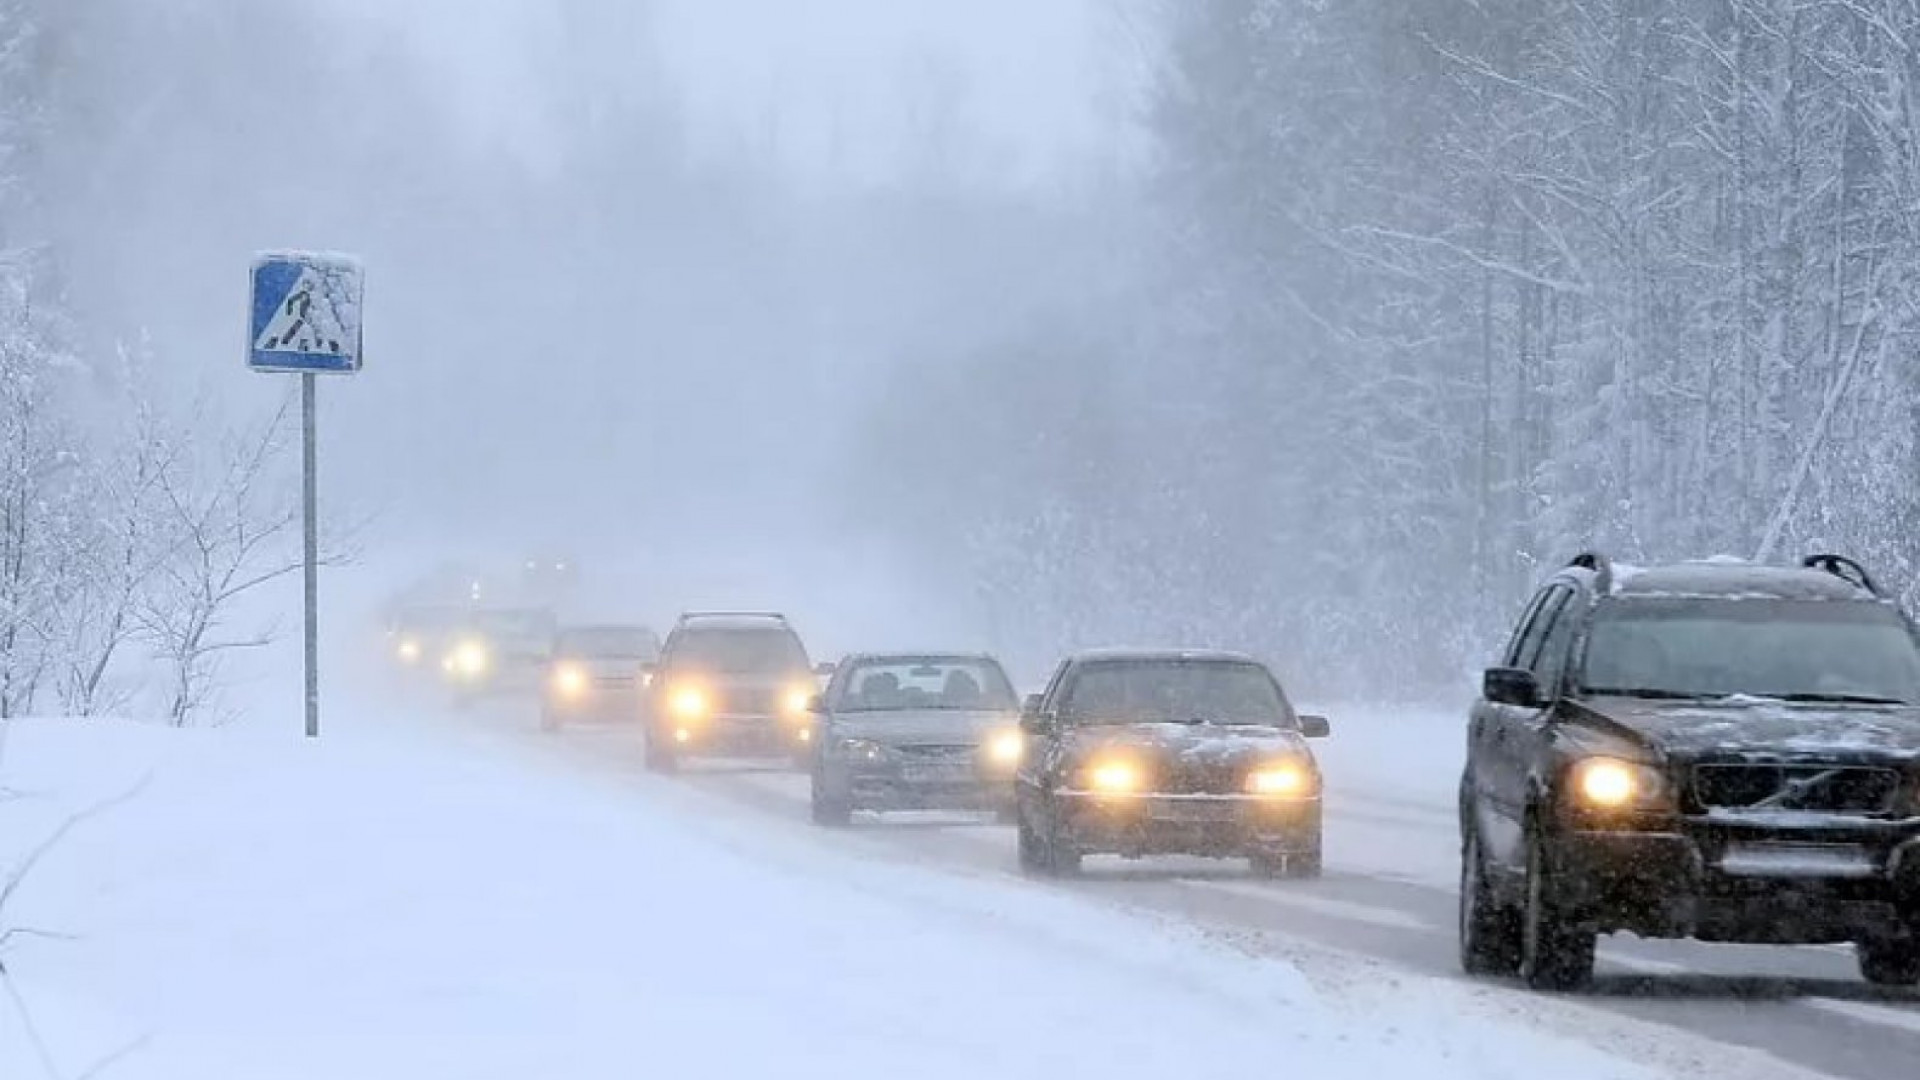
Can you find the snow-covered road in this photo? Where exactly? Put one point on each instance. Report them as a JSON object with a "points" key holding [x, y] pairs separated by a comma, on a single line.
{"points": [[423, 896]]}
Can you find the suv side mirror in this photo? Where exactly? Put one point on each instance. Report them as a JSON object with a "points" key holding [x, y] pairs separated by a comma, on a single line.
{"points": [[1315, 727], [1511, 686], [817, 704]]}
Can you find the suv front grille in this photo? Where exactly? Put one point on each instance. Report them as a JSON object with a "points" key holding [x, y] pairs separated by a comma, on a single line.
{"points": [[933, 753], [1832, 789], [743, 701], [1177, 778]]}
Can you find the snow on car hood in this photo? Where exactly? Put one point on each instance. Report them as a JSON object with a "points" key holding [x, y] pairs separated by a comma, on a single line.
{"points": [[1765, 729], [952, 727], [1208, 743]]}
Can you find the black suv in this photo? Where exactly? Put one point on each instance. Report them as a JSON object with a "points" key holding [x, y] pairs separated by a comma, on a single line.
{"points": [[1138, 753], [1720, 750], [731, 684]]}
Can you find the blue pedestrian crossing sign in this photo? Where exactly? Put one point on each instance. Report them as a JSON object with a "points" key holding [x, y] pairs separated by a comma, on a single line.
{"points": [[306, 313]]}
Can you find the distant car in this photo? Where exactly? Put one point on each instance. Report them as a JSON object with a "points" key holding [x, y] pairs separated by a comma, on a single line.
{"points": [[1139, 753], [934, 731], [418, 633], [499, 651], [731, 684], [597, 673], [1720, 750]]}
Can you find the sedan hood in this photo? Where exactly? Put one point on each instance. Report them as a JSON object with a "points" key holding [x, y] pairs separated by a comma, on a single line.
{"points": [[1190, 744], [1761, 729], [950, 727]]}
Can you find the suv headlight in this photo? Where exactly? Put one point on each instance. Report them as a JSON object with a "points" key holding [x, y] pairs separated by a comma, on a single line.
{"points": [[1113, 776], [1609, 783], [570, 680]]}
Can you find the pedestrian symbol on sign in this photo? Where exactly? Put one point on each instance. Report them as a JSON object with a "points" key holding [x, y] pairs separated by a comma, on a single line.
{"points": [[306, 314]]}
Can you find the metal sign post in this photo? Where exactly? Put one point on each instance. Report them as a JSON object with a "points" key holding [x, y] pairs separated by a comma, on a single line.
{"points": [[306, 321]]}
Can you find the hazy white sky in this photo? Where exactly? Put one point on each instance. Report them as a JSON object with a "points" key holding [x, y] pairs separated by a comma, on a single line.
{"points": [[819, 79]]}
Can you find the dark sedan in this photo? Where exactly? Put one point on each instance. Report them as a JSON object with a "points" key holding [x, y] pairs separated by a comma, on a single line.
{"points": [[915, 732], [1140, 753]]}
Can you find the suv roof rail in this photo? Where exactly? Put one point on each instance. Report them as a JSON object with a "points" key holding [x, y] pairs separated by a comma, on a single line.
{"points": [[774, 615], [1843, 568], [1601, 566]]}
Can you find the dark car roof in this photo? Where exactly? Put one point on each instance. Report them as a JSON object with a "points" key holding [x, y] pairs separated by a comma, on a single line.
{"points": [[1123, 655], [1727, 579]]}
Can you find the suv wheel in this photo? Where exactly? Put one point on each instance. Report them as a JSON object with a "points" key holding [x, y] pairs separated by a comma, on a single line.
{"points": [[1555, 954], [1032, 858], [1489, 933], [1890, 961]]}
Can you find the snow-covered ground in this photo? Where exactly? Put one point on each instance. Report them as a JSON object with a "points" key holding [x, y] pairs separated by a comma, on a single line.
{"points": [[409, 900]]}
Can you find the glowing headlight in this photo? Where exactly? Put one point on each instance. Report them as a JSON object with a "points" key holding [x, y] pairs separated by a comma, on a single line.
{"points": [[1285, 778], [688, 703], [1604, 783], [569, 680], [470, 659], [1114, 776], [797, 700], [410, 651], [1006, 747]]}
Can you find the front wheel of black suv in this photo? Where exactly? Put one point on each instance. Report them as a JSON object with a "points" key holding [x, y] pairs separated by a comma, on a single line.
{"points": [[1890, 961], [1556, 953], [1045, 854], [1489, 933]]}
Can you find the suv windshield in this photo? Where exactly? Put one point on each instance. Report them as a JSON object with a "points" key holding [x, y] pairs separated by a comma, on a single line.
{"points": [[740, 652], [926, 683], [609, 641], [1808, 650], [1177, 691]]}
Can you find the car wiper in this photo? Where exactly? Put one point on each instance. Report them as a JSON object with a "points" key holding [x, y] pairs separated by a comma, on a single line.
{"points": [[1843, 699], [1642, 692]]}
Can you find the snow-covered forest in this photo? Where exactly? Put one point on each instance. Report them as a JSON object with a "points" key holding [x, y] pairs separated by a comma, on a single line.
{"points": [[1395, 307], [1429, 297]]}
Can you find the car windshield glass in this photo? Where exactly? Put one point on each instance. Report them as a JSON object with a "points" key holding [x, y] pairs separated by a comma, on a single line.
{"points": [[1177, 691], [611, 641], [926, 683], [515, 626], [1795, 649], [740, 652]]}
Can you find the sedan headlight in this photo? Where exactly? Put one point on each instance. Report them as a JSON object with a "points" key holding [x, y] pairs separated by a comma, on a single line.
{"points": [[862, 750], [569, 680], [1282, 779], [409, 651], [1115, 777], [1006, 747], [1607, 783], [688, 703]]}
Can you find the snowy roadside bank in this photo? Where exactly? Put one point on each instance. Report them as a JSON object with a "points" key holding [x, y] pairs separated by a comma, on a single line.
{"points": [[389, 903]]}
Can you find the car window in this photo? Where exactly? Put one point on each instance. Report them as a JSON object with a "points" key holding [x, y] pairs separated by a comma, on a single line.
{"points": [[1174, 691], [1801, 649], [1549, 666], [740, 651], [1533, 642], [1510, 657], [616, 642], [914, 683]]}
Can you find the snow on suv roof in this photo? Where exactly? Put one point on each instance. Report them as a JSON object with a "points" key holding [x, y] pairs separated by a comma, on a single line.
{"points": [[732, 620], [1723, 579]]}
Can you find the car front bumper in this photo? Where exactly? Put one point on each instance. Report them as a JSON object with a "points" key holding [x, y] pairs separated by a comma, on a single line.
{"points": [[891, 787], [742, 736], [1713, 881], [595, 704], [1206, 825]]}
